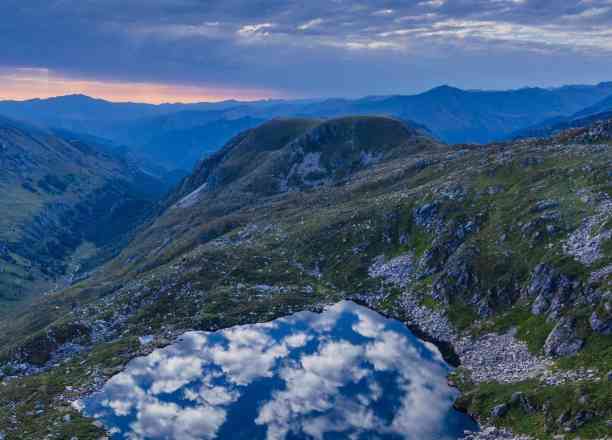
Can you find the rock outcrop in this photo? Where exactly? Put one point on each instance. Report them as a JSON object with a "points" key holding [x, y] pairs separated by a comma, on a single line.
{"points": [[562, 340]]}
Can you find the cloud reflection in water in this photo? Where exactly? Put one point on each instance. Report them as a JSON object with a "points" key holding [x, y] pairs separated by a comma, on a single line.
{"points": [[346, 373]]}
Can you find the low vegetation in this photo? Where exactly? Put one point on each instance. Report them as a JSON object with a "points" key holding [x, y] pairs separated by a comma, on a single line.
{"points": [[481, 232]]}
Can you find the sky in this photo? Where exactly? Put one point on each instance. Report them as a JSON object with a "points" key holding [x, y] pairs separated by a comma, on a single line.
{"points": [[210, 50]]}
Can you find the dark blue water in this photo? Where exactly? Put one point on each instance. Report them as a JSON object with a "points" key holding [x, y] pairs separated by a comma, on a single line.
{"points": [[347, 373]]}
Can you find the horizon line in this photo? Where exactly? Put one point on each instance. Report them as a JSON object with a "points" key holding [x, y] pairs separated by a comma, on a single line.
{"points": [[272, 99]]}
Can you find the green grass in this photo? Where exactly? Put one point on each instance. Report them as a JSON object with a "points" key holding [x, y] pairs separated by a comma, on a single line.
{"points": [[597, 353], [461, 315], [543, 424]]}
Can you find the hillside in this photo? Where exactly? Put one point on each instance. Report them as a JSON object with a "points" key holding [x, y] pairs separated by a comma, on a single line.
{"points": [[64, 203], [500, 254]]}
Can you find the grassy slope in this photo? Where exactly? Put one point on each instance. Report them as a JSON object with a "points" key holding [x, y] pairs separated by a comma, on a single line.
{"points": [[49, 185], [196, 269]]}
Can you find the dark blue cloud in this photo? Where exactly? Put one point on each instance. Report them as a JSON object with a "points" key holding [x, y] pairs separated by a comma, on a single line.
{"points": [[318, 47]]}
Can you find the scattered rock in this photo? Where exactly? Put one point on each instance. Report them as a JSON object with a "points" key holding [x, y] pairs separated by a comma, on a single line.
{"points": [[601, 274], [599, 325], [559, 377], [563, 418], [582, 418], [427, 217], [500, 358], [549, 288], [522, 401], [544, 205], [493, 433], [495, 189], [500, 410], [584, 243], [562, 340], [397, 271]]}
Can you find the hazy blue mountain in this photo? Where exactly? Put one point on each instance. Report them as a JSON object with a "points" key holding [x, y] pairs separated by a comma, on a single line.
{"points": [[465, 116], [600, 111], [144, 163], [600, 107], [176, 136], [554, 126], [70, 109], [194, 141]]}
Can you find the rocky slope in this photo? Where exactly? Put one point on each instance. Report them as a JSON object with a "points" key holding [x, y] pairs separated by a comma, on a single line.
{"points": [[62, 203], [501, 254]]}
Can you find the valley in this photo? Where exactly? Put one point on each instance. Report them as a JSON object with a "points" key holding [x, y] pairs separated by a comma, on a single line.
{"points": [[65, 206]]}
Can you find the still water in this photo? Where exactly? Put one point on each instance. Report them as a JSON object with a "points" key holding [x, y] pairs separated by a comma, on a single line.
{"points": [[347, 373]]}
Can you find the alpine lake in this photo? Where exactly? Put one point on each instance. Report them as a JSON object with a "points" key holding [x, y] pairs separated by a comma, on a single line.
{"points": [[346, 373]]}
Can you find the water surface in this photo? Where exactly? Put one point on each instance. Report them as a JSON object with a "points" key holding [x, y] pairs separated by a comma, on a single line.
{"points": [[347, 373]]}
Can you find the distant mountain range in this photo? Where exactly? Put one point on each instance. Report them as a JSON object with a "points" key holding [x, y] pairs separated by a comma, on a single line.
{"points": [[176, 136], [601, 111], [600, 107]]}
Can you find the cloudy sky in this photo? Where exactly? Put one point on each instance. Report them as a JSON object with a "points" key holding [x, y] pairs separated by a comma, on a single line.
{"points": [[186, 50]]}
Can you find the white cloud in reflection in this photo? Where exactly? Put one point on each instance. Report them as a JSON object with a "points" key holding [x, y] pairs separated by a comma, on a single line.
{"points": [[313, 386], [367, 327], [175, 372], [297, 340], [251, 354], [129, 394], [168, 420], [334, 388]]}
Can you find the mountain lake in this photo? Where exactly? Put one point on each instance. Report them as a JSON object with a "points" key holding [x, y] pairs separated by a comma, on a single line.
{"points": [[346, 373]]}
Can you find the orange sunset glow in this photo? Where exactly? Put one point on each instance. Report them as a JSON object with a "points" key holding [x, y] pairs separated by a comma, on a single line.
{"points": [[24, 83]]}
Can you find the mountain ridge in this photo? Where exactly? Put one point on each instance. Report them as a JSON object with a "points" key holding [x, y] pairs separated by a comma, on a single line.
{"points": [[451, 114], [330, 145], [597, 112]]}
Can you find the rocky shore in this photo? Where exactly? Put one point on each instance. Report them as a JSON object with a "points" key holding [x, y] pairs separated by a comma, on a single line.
{"points": [[486, 358]]}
